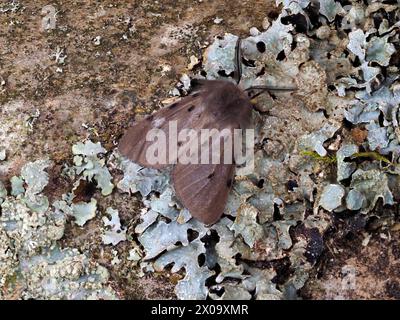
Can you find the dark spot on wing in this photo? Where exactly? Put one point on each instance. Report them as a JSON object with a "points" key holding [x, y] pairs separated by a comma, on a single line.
{"points": [[180, 143], [150, 118], [172, 106], [211, 175], [229, 183], [191, 108]]}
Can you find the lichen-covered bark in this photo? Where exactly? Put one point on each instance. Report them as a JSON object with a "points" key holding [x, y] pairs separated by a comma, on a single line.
{"points": [[321, 204]]}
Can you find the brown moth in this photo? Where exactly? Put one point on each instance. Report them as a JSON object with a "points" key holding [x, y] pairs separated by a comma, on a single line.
{"points": [[214, 104]]}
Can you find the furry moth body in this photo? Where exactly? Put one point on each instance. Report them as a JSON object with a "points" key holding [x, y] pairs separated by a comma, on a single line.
{"points": [[202, 188]]}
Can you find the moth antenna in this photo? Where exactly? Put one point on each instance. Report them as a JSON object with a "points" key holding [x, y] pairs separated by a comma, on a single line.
{"points": [[271, 88], [238, 60]]}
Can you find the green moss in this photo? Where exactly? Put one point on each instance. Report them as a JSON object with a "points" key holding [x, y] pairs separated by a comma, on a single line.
{"points": [[373, 155], [331, 159], [315, 156]]}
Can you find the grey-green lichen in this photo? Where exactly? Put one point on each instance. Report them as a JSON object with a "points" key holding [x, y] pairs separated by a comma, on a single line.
{"points": [[64, 274], [115, 232], [88, 164], [32, 265]]}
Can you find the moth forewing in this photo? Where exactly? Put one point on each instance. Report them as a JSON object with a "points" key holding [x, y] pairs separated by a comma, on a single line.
{"points": [[134, 143]]}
